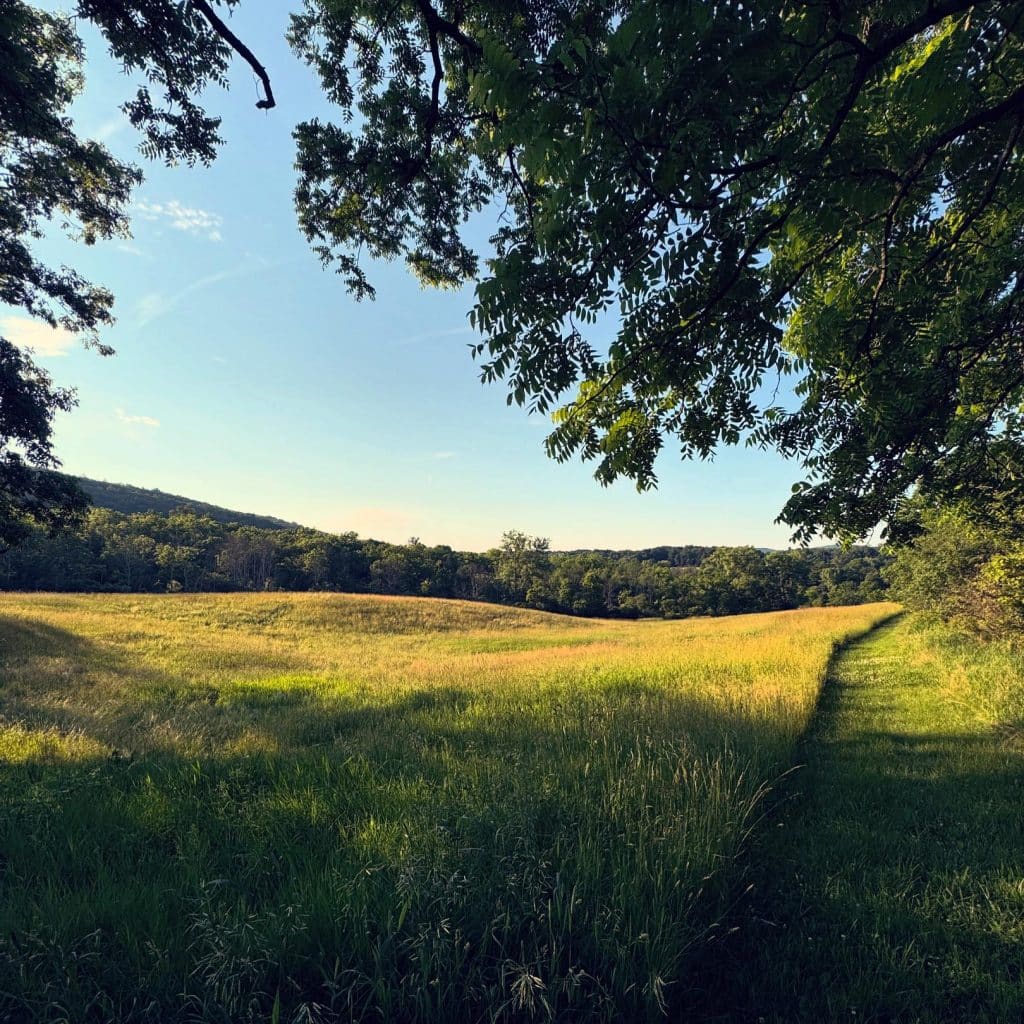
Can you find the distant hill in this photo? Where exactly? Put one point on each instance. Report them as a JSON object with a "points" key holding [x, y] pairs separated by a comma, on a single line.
{"points": [[125, 498]]}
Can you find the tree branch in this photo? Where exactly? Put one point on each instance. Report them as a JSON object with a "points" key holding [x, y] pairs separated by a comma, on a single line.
{"points": [[985, 200], [240, 48], [440, 26], [434, 112]]}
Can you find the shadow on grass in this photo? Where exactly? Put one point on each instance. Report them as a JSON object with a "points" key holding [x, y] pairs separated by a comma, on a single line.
{"points": [[443, 855], [889, 885]]}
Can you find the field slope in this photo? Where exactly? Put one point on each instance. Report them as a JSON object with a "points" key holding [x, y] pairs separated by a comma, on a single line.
{"points": [[299, 808]]}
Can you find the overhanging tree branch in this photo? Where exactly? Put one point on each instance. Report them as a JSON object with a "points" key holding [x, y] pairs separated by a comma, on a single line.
{"points": [[240, 48]]}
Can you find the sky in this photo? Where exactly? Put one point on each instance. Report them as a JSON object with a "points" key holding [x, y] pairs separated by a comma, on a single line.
{"points": [[245, 375]]}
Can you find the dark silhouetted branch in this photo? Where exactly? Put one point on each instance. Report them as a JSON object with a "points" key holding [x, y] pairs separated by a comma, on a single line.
{"points": [[240, 48]]}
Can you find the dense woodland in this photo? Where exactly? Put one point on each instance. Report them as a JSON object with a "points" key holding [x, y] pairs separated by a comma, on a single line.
{"points": [[187, 551]]}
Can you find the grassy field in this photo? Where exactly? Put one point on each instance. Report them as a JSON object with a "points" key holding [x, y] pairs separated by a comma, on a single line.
{"points": [[300, 808], [892, 889]]}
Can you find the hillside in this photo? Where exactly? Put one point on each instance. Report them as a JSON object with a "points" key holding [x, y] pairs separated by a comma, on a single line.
{"points": [[126, 498]]}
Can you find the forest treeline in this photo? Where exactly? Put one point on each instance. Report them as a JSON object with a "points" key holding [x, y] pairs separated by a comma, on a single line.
{"points": [[184, 550]]}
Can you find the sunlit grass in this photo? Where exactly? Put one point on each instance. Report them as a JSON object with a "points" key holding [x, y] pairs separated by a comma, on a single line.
{"points": [[893, 890], [379, 808]]}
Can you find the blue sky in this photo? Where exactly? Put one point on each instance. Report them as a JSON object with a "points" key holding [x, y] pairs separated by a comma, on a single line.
{"points": [[245, 375]]}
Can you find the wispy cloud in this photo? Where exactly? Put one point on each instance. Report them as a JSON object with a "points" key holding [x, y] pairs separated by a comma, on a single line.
{"points": [[109, 128], [33, 334], [154, 305], [151, 306], [136, 421], [190, 219], [439, 456]]}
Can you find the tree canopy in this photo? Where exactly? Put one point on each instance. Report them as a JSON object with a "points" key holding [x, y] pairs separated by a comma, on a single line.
{"points": [[698, 207], [793, 225]]}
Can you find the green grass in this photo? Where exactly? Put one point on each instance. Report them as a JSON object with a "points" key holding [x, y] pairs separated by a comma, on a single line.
{"points": [[891, 887], [299, 808]]}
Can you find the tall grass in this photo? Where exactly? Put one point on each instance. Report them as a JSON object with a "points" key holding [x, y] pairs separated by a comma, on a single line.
{"points": [[893, 892], [309, 808]]}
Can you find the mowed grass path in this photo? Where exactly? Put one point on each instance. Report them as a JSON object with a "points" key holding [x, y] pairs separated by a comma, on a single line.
{"points": [[301, 808], [893, 889]]}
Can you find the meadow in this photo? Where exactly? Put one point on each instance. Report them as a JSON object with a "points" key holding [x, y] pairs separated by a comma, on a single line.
{"points": [[306, 807]]}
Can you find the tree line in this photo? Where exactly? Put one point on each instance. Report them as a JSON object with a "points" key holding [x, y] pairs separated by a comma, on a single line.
{"points": [[184, 550]]}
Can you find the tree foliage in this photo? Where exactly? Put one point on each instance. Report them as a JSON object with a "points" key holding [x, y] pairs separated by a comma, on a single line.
{"points": [[741, 196], [963, 571], [698, 207], [31, 491], [51, 177], [962, 561]]}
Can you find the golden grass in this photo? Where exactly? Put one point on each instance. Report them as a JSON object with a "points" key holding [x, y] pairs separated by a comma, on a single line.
{"points": [[101, 666], [382, 807]]}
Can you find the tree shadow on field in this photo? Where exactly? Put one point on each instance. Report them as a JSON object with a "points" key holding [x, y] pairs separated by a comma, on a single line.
{"points": [[57, 681], [887, 885], [60, 682], [399, 858]]}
